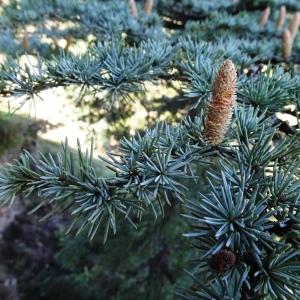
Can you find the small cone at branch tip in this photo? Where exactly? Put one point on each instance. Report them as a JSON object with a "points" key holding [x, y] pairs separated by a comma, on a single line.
{"points": [[264, 17], [294, 25], [220, 108], [25, 41], [133, 8], [148, 6], [68, 42], [287, 44], [281, 17]]}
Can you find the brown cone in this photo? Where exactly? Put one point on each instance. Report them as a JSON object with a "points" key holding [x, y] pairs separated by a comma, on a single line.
{"points": [[133, 8], [281, 17], [294, 25], [68, 42], [148, 6], [223, 261], [264, 17], [287, 44], [220, 107], [25, 41]]}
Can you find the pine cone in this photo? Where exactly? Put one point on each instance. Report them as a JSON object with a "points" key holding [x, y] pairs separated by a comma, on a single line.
{"points": [[294, 25], [281, 17], [223, 261], [223, 100], [264, 17], [148, 6], [287, 44], [69, 41], [133, 8], [25, 41]]}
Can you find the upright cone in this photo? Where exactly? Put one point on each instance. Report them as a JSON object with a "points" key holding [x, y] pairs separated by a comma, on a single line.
{"points": [[264, 17], [148, 6], [281, 17], [25, 41], [69, 41], [287, 44], [223, 100], [294, 25], [133, 8]]}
